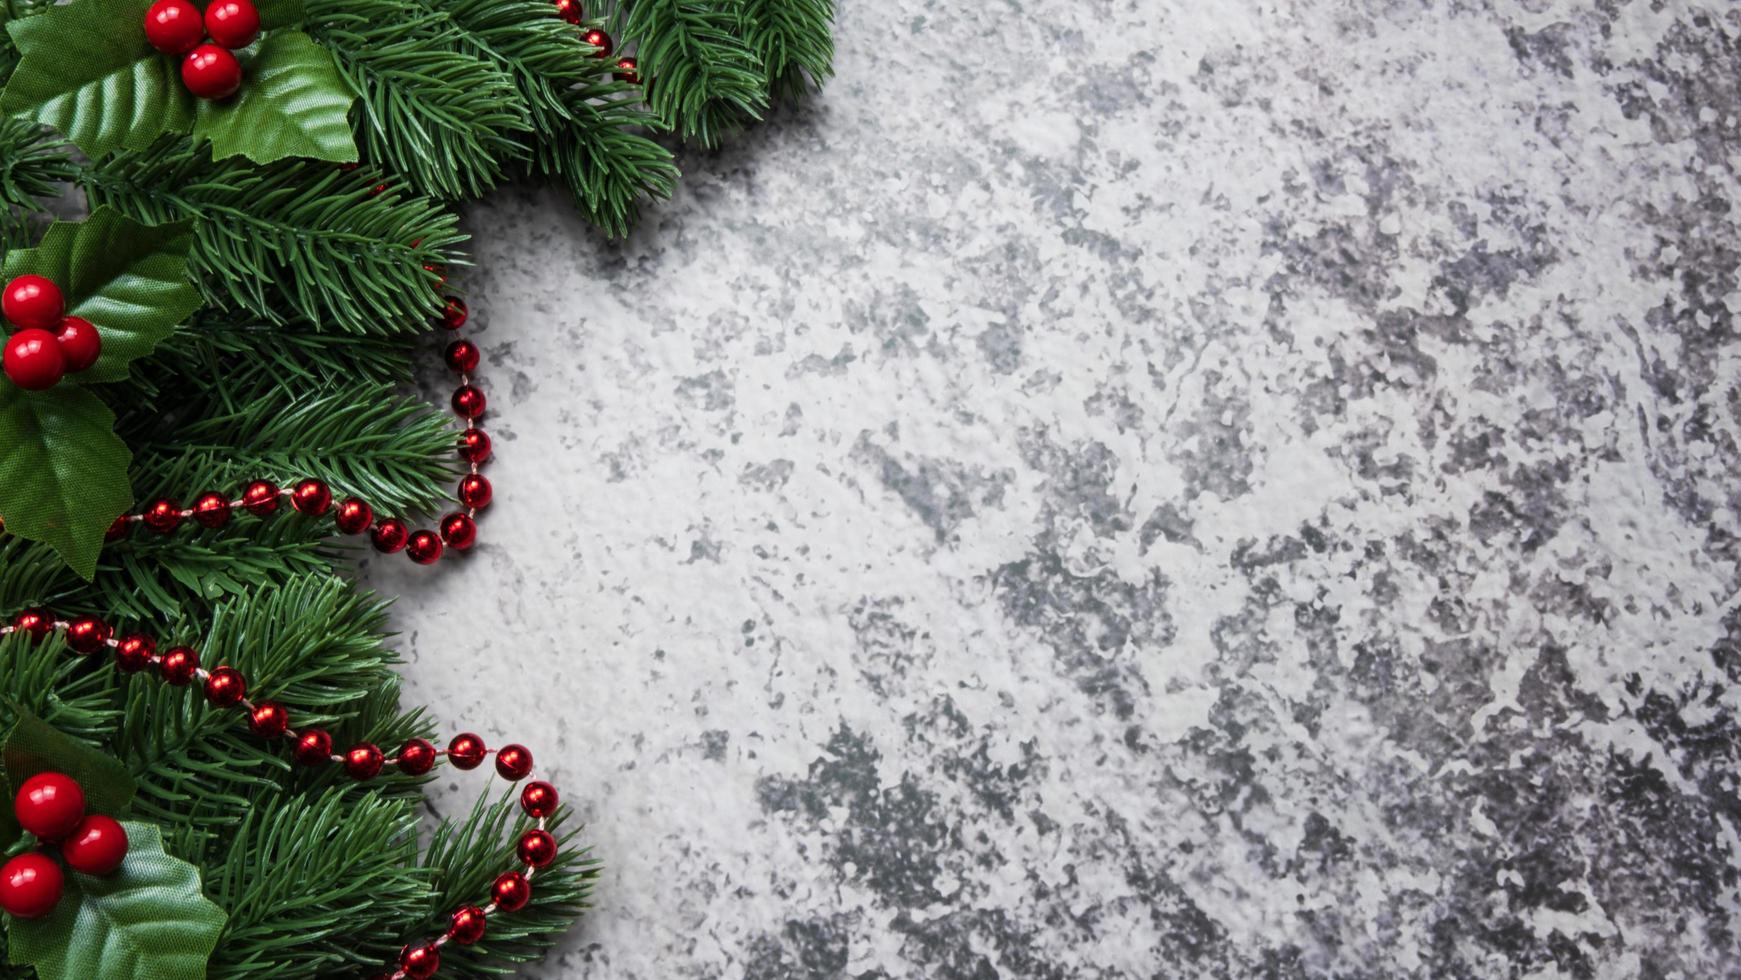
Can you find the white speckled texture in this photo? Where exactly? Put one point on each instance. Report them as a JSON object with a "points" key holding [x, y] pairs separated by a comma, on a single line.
{"points": [[1146, 489]]}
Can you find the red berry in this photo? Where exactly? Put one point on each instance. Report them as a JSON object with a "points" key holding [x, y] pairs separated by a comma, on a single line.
{"points": [[30, 885], [97, 846], [173, 26], [233, 23], [33, 302], [211, 72], [49, 805], [80, 343], [33, 360]]}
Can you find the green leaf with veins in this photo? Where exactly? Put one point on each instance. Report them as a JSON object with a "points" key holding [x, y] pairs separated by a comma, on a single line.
{"points": [[63, 476], [148, 920], [293, 103], [129, 279]]}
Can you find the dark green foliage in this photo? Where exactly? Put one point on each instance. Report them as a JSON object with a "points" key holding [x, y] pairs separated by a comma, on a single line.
{"points": [[703, 80], [793, 39], [319, 283], [298, 239]]}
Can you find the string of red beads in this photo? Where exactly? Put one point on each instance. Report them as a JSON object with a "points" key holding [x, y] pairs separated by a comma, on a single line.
{"points": [[225, 687], [457, 530]]}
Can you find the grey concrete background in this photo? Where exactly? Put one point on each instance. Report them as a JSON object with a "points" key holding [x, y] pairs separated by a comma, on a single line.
{"points": [[1144, 489]]}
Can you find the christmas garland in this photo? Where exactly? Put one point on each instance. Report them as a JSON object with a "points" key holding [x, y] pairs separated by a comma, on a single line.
{"points": [[269, 229]]}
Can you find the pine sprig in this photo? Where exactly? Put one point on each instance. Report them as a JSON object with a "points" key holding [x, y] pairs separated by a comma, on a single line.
{"points": [[794, 41], [587, 128], [703, 79], [294, 239], [34, 166], [441, 119]]}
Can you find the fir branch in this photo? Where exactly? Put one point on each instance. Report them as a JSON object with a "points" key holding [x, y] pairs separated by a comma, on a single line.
{"points": [[34, 167], [702, 79], [294, 239], [795, 42], [466, 855], [443, 119], [364, 440], [228, 344], [587, 133]]}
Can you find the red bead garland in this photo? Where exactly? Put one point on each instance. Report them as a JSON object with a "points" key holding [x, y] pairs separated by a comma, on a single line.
{"points": [[456, 531], [51, 805]]}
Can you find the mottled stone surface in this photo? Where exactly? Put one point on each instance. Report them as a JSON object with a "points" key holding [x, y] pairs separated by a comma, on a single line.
{"points": [[1147, 489]]}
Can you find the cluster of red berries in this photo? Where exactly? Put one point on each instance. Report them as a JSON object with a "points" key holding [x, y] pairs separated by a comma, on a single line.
{"points": [[208, 69], [628, 70], [48, 343], [51, 806]]}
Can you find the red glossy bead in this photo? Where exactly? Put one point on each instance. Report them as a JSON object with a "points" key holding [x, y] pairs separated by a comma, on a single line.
{"points": [[569, 10], [97, 846], [212, 509], [420, 961], [468, 401], [353, 516], [118, 529], [439, 272], [537, 848], [475, 491], [269, 719], [33, 360], [87, 634], [466, 751], [424, 548], [389, 535], [314, 747], [163, 516], [36, 622], [225, 687], [364, 761], [30, 885], [179, 665], [211, 72], [233, 23], [260, 498], [416, 757], [628, 70], [32, 302], [311, 497], [468, 925], [474, 446], [377, 190], [462, 356], [173, 26], [514, 762], [454, 313], [134, 653], [511, 891], [80, 343], [49, 805], [539, 799], [459, 531], [600, 40]]}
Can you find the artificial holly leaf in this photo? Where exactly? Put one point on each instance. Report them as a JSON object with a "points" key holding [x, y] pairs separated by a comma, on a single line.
{"points": [[293, 103], [129, 279], [33, 746], [63, 474], [87, 70], [148, 920]]}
